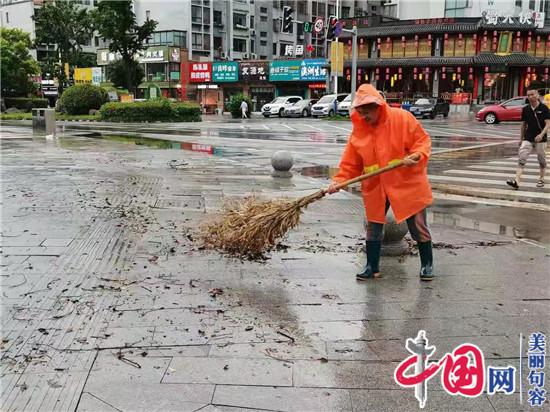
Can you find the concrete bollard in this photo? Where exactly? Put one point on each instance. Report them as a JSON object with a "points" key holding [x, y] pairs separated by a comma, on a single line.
{"points": [[393, 242], [282, 162]]}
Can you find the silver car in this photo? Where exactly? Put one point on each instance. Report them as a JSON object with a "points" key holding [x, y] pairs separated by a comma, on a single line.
{"points": [[301, 108], [277, 106], [343, 107], [326, 105]]}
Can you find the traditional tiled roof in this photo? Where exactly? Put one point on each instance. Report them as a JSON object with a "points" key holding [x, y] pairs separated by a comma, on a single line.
{"points": [[416, 61], [514, 59], [546, 62], [403, 30]]}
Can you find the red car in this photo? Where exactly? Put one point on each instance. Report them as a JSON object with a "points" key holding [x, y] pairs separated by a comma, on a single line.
{"points": [[510, 110]]}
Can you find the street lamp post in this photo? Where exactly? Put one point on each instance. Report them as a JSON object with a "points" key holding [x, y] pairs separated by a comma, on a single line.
{"points": [[353, 32]]}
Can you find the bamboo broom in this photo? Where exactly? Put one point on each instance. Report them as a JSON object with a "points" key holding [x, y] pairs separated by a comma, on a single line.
{"points": [[248, 229]]}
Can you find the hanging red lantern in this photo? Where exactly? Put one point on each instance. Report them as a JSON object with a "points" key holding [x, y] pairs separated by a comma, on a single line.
{"points": [[377, 70], [486, 69], [387, 69], [545, 77], [443, 69], [446, 36], [400, 70], [387, 77], [475, 36], [443, 75], [458, 69], [400, 76], [546, 70], [377, 77], [471, 69], [470, 77], [414, 76], [415, 70], [458, 76], [528, 69]]}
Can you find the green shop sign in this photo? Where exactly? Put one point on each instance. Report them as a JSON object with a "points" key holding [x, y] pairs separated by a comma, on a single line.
{"points": [[284, 70], [225, 71]]}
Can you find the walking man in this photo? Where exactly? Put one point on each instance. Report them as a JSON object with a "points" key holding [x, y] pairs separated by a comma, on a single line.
{"points": [[380, 136], [535, 123], [244, 109]]}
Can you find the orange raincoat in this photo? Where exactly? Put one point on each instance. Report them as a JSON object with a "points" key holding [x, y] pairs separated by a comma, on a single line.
{"points": [[396, 135]]}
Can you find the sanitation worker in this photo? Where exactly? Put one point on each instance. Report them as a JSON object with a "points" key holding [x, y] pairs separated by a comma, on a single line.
{"points": [[382, 135]]}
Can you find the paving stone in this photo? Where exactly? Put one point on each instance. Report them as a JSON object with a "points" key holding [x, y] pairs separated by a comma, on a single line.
{"points": [[57, 242], [283, 399], [229, 371]]}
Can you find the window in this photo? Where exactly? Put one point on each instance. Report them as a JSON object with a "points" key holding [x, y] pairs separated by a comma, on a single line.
{"points": [[252, 46], [274, 49], [207, 42], [206, 16], [196, 14], [263, 34], [455, 8], [515, 103], [147, 14], [251, 22], [345, 12], [302, 7], [262, 57], [196, 38], [519, 3], [96, 41], [218, 18], [239, 21], [331, 10], [263, 43], [239, 45], [531, 4], [263, 10], [218, 43], [7, 17], [263, 18]]}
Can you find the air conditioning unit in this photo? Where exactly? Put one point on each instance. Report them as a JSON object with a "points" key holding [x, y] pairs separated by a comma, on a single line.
{"points": [[245, 56], [253, 56], [223, 55], [252, 32]]}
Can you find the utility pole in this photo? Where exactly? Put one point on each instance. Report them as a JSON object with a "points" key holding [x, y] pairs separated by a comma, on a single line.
{"points": [[337, 57], [353, 32]]}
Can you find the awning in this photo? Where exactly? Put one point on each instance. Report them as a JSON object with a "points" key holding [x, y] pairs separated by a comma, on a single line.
{"points": [[513, 59], [413, 62]]}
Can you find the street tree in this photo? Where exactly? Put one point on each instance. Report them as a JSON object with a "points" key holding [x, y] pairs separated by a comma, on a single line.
{"points": [[67, 26], [17, 64], [116, 22]]}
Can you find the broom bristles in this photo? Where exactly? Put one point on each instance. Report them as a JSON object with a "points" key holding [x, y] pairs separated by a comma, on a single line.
{"points": [[250, 228]]}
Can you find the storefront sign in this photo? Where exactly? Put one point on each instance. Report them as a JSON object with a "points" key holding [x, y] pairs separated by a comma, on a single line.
{"points": [[225, 72], [154, 54], [528, 17], [105, 57], [97, 75], [297, 51], [317, 86], [200, 72], [434, 21], [313, 70], [284, 70], [253, 71], [83, 75], [174, 54]]}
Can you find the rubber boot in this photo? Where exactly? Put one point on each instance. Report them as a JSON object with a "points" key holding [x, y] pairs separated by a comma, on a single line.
{"points": [[426, 260], [373, 258]]}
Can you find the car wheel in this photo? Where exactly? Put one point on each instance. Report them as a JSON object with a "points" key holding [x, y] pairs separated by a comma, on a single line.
{"points": [[304, 113], [491, 118], [281, 112], [446, 114], [265, 115], [432, 115], [331, 113]]}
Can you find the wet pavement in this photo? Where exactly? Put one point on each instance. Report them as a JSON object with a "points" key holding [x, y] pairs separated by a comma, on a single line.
{"points": [[109, 303]]}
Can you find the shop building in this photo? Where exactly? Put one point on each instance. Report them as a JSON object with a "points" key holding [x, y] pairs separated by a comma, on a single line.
{"points": [[462, 60]]}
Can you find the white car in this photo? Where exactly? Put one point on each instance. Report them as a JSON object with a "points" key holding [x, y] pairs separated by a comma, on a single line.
{"points": [[325, 106], [344, 106], [277, 107]]}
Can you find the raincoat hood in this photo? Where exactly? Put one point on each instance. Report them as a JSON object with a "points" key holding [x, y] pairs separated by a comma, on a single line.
{"points": [[367, 94]]}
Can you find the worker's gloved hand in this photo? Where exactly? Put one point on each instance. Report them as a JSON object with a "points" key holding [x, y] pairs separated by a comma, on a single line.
{"points": [[411, 160], [332, 188]]}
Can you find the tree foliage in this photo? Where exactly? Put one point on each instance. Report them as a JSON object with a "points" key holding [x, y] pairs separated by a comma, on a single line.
{"points": [[115, 21], [17, 65], [66, 25], [125, 75]]}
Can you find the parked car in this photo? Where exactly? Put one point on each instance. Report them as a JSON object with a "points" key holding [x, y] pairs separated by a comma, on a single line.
{"points": [[344, 106], [510, 110], [430, 108], [278, 105], [300, 108], [325, 105]]}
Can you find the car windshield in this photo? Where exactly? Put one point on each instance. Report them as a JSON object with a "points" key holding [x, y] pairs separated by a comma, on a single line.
{"points": [[279, 100], [326, 99], [348, 98], [422, 102]]}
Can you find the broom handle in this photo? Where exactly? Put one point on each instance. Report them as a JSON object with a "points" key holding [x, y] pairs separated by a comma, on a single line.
{"points": [[368, 175]]}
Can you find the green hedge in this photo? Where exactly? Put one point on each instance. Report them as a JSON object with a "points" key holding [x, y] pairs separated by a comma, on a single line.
{"points": [[81, 98], [160, 110], [25, 103]]}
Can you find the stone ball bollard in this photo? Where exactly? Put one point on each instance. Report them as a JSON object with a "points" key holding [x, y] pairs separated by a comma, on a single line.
{"points": [[282, 162], [393, 242]]}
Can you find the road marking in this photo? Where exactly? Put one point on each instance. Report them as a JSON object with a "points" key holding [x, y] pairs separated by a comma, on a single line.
{"points": [[490, 182], [477, 146], [308, 125], [527, 176], [341, 128], [492, 202], [288, 127], [511, 168]]}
